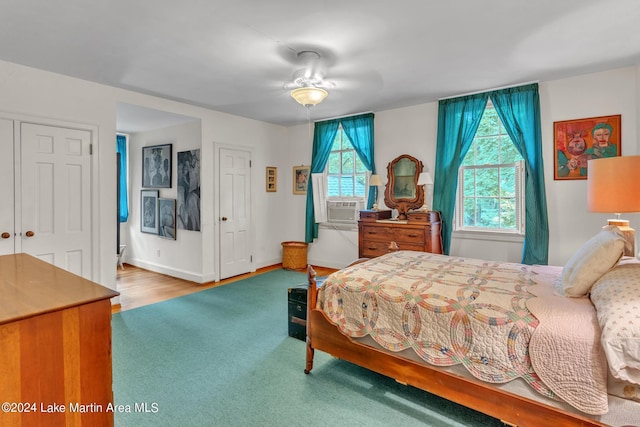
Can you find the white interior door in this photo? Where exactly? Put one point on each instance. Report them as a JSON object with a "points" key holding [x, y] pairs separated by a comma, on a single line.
{"points": [[235, 212], [55, 183], [7, 229]]}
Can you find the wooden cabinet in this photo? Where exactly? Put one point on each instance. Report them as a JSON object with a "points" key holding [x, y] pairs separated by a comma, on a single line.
{"points": [[55, 336], [420, 232]]}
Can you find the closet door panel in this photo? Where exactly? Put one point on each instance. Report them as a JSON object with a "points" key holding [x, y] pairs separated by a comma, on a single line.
{"points": [[7, 185]]}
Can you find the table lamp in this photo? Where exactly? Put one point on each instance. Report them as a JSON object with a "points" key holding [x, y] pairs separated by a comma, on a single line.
{"points": [[425, 179], [612, 186], [375, 181]]}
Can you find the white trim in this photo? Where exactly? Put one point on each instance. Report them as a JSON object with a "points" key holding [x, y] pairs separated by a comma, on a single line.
{"points": [[496, 236]]}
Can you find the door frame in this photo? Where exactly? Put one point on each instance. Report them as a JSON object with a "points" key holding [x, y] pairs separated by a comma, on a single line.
{"points": [[216, 205], [94, 228]]}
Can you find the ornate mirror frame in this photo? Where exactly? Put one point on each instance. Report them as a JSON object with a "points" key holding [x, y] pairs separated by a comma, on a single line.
{"points": [[402, 191]]}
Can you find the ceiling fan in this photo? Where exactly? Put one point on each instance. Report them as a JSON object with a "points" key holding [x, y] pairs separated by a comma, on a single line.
{"points": [[308, 85]]}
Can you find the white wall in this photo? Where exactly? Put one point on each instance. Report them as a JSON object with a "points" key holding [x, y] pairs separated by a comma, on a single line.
{"points": [[413, 131], [279, 216]]}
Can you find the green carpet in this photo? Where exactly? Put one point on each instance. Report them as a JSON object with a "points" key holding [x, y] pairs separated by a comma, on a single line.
{"points": [[223, 357]]}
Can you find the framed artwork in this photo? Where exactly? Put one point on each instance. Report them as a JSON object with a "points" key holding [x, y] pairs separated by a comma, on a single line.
{"points": [[272, 179], [156, 166], [188, 203], [300, 179], [580, 140], [149, 211], [167, 218]]}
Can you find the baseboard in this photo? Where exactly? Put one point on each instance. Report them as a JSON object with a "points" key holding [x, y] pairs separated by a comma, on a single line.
{"points": [[180, 274]]}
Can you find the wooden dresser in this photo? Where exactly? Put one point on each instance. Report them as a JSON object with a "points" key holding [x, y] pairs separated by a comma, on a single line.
{"points": [[420, 232], [55, 336]]}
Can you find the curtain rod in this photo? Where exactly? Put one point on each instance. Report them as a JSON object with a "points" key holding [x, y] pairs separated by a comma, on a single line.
{"points": [[341, 117], [488, 90]]}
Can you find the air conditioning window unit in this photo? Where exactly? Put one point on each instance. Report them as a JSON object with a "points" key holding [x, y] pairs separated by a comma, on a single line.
{"points": [[344, 211]]}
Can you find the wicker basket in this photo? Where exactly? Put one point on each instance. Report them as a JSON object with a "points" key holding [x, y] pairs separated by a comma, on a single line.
{"points": [[294, 255]]}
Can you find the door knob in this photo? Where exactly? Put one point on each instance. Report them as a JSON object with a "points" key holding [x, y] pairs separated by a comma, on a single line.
{"points": [[224, 218], [6, 235], [30, 233]]}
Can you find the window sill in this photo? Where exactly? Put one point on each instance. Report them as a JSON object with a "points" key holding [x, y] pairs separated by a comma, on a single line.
{"points": [[488, 235], [339, 226]]}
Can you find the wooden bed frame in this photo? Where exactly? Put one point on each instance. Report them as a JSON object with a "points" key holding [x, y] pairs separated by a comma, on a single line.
{"points": [[510, 408]]}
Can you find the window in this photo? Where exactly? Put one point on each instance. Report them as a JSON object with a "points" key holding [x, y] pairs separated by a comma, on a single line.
{"points": [[491, 181], [346, 174]]}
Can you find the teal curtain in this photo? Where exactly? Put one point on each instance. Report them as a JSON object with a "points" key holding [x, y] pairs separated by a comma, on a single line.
{"points": [[121, 148], [323, 135], [519, 110], [359, 130], [458, 121]]}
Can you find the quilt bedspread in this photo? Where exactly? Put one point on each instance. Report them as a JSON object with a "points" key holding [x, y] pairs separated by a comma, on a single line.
{"points": [[448, 310]]}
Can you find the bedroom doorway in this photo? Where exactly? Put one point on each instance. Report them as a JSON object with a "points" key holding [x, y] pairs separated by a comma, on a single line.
{"points": [[234, 168]]}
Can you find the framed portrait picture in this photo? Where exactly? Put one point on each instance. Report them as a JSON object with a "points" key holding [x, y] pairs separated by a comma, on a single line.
{"points": [[272, 179], [156, 166], [300, 179], [188, 183], [167, 218], [149, 211], [580, 140]]}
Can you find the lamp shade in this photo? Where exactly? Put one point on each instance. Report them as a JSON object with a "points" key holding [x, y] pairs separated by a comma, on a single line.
{"points": [[612, 184], [425, 179], [375, 180], [309, 95]]}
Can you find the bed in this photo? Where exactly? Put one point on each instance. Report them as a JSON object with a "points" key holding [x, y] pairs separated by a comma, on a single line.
{"points": [[524, 344]]}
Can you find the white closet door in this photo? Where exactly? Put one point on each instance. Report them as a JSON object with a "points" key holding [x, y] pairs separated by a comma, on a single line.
{"points": [[55, 184], [7, 230]]}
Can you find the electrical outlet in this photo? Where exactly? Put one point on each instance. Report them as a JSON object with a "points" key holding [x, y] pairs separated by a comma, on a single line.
{"points": [[158, 251]]}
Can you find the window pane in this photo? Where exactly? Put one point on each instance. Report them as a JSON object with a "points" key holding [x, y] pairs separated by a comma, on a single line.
{"points": [[337, 145], [487, 183], [361, 181], [508, 152], [488, 212], [347, 162], [487, 151], [489, 123], [469, 214], [346, 186], [507, 182], [359, 165], [508, 213], [470, 158], [333, 186], [469, 183], [333, 164]]}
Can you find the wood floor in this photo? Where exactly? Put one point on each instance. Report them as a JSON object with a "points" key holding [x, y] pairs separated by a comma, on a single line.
{"points": [[139, 287]]}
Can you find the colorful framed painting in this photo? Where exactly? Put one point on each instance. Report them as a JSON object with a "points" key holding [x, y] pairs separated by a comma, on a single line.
{"points": [[149, 211], [300, 179], [580, 140], [272, 179]]}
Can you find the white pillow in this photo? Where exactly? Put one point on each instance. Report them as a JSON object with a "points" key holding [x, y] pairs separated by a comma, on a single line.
{"points": [[601, 253], [616, 296]]}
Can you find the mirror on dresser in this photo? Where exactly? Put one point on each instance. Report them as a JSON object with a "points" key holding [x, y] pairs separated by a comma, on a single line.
{"points": [[402, 191]]}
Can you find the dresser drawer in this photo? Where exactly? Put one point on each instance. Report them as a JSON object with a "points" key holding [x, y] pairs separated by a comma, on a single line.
{"points": [[372, 248], [377, 233], [413, 235]]}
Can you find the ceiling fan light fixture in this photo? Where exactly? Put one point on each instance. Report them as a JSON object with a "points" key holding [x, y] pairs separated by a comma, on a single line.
{"points": [[309, 95]]}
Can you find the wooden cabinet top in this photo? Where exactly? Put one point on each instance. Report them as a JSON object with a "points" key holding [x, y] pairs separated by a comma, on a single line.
{"points": [[30, 287]]}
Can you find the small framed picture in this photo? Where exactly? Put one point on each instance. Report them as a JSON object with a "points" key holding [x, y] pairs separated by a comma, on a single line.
{"points": [[272, 179], [156, 166], [300, 179], [167, 218], [580, 140], [149, 211]]}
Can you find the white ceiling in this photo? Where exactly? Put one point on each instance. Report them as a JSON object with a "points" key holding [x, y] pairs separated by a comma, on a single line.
{"points": [[235, 55]]}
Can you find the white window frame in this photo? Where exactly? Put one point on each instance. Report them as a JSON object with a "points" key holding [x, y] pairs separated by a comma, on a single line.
{"points": [[362, 199], [485, 233]]}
